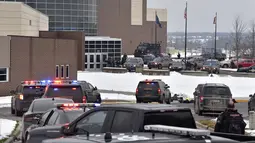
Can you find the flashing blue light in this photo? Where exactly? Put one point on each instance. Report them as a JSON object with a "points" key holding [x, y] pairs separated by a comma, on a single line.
{"points": [[75, 81], [55, 89], [152, 83], [30, 87], [49, 81], [43, 81], [97, 104]]}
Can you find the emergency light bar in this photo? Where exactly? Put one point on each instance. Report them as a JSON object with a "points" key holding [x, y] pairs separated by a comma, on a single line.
{"points": [[63, 82], [34, 82], [177, 130], [76, 105], [44, 82]]}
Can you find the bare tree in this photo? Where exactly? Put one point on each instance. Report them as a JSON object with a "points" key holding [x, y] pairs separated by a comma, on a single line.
{"points": [[251, 38], [238, 34]]}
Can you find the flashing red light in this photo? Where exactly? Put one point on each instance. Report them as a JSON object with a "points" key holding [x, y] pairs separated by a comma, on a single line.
{"points": [[84, 99], [57, 81], [136, 91], [73, 88], [70, 105], [159, 91], [201, 98]]}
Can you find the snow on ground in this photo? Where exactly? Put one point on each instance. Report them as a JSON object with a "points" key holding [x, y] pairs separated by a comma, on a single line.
{"points": [[228, 69], [114, 96], [6, 127], [5, 101], [240, 87]]}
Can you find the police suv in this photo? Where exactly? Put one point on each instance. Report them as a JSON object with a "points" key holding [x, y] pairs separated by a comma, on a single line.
{"points": [[63, 113], [118, 118], [24, 94], [152, 134], [70, 89]]}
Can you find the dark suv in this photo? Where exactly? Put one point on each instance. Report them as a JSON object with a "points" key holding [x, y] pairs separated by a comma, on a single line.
{"points": [[211, 97], [153, 91], [24, 94], [91, 92], [69, 89]]}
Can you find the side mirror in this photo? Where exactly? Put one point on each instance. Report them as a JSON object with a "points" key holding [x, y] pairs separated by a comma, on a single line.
{"points": [[167, 86], [65, 130], [95, 88], [12, 92], [250, 95]]}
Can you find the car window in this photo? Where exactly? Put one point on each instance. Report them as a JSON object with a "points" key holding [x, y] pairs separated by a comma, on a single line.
{"points": [[44, 117], [19, 89], [122, 122], [210, 90], [53, 119], [33, 90], [56, 90], [42, 106], [93, 123], [90, 86]]}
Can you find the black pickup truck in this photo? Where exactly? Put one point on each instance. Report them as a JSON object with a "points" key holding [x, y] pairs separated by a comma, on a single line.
{"points": [[117, 118]]}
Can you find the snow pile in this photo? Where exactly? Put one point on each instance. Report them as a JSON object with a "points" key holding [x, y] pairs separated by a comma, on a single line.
{"points": [[240, 86], [6, 127], [5, 101], [110, 96]]}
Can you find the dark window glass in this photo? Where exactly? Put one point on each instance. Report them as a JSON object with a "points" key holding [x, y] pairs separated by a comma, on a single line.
{"points": [[67, 70], [92, 123], [68, 91], [53, 118], [98, 58], [42, 106], [171, 118], [59, 12], [86, 58], [57, 72], [72, 115], [59, 1], [59, 6], [217, 91], [67, 25], [98, 66], [3, 77], [42, 1], [62, 71], [122, 122], [67, 6], [91, 66], [44, 117], [59, 18], [51, 12], [50, 6], [59, 24], [33, 5], [67, 19], [41, 5], [32, 90], [67, 12], [91, 58], [86, 66], [74, 6], [3, 71]]}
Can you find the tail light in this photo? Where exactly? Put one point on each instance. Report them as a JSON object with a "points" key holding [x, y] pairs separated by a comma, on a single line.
{"points": [[136, 91], [159, 91], [201, 99], [21, 97], [84, 99]]}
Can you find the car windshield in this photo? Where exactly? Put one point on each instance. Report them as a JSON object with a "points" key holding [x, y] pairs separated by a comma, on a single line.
{"points": [[172, 118], [32, 90], [216, 91], [211, 63], [42, 106], [58, 90], [132, 60]]}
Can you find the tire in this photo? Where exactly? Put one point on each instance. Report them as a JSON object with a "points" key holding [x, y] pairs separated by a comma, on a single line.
{"points": [[160, 67], [225, 66], [17, 112]]}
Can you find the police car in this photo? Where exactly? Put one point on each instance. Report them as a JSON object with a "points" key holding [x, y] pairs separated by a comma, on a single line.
{"points": [[153, 134], [37, 108], [58, 116], [24, 94], [118, 118], [70, 89]]}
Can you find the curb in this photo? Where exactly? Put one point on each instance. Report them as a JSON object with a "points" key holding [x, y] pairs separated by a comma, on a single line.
{"points": [[15, 134], [199, 125]]}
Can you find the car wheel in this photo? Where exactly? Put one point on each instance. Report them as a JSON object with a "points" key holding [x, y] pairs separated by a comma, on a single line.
{"points": [[225, 66], [159, 66], [17, 112], [12, 110]]}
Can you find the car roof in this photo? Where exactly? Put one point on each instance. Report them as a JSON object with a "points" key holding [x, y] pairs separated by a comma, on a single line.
{"points": [[215, 84], [151, 80], [145, 107], [51, 99]]}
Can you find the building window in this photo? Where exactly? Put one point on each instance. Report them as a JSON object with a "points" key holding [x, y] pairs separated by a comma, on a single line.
{"points": [[67, 71], [3, 74], [57, 71], [62, 71]]}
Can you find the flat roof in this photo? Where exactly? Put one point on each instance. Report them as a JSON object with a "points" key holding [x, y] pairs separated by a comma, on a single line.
{"points": [[101, 38]]}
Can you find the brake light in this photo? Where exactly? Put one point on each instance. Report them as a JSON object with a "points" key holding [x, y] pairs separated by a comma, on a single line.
{"points": [[84, 99], [21, 97], [136, 91], [159, 91], [201, 99]]}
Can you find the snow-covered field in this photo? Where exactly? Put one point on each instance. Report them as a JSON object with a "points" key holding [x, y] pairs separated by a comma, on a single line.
{"points": [[240, 87], [6, 127]]}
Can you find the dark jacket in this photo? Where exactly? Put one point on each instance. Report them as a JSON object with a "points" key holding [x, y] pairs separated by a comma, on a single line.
{"points": [[229, 118]]}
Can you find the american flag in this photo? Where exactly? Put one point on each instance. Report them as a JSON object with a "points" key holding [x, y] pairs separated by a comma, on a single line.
{"points": [[185, 12]]}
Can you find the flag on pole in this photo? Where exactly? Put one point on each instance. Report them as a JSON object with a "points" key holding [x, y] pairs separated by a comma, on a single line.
{"points": [[158, 21], [185, 12], [215, 19]]}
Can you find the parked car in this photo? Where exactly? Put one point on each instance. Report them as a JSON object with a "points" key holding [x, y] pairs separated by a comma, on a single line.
{"points": [[250, 69], [245, 63], [199, 60], [132, 63], [160, 62], [177, 65], [211, 66], [91, 92], [147, 58]]}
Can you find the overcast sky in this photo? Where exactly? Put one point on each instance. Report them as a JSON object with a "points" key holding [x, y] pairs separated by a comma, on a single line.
{"points": [[202, 12]]}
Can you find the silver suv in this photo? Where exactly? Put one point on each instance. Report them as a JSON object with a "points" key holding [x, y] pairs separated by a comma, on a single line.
{"points": [[132, 63], [161, 62]]}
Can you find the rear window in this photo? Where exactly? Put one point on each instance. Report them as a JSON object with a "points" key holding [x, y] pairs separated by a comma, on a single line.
{"points": [[33, 89], [72, 115], [173, 118], [217, 91], [42, 106], [74, 90], [148, 86]]}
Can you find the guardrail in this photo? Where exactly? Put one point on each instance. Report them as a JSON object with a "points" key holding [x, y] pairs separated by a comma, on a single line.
{"points": [[193, 73], [155, 72], [114, 70], [237, 74]]}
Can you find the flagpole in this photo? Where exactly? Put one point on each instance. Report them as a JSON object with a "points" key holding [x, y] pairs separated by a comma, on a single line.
{"points": [[215, 36], [186, 25], [156, 32]]}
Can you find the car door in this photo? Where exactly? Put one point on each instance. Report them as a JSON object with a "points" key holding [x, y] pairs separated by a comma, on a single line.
{"points": [[91, 89], [123, 121], [94, 122], [52, 133]]}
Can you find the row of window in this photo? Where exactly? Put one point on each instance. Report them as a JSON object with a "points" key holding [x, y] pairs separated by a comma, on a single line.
{"points": [[103, 42], [62, 71], [63, 6], [57, 1], [4, 74]]}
